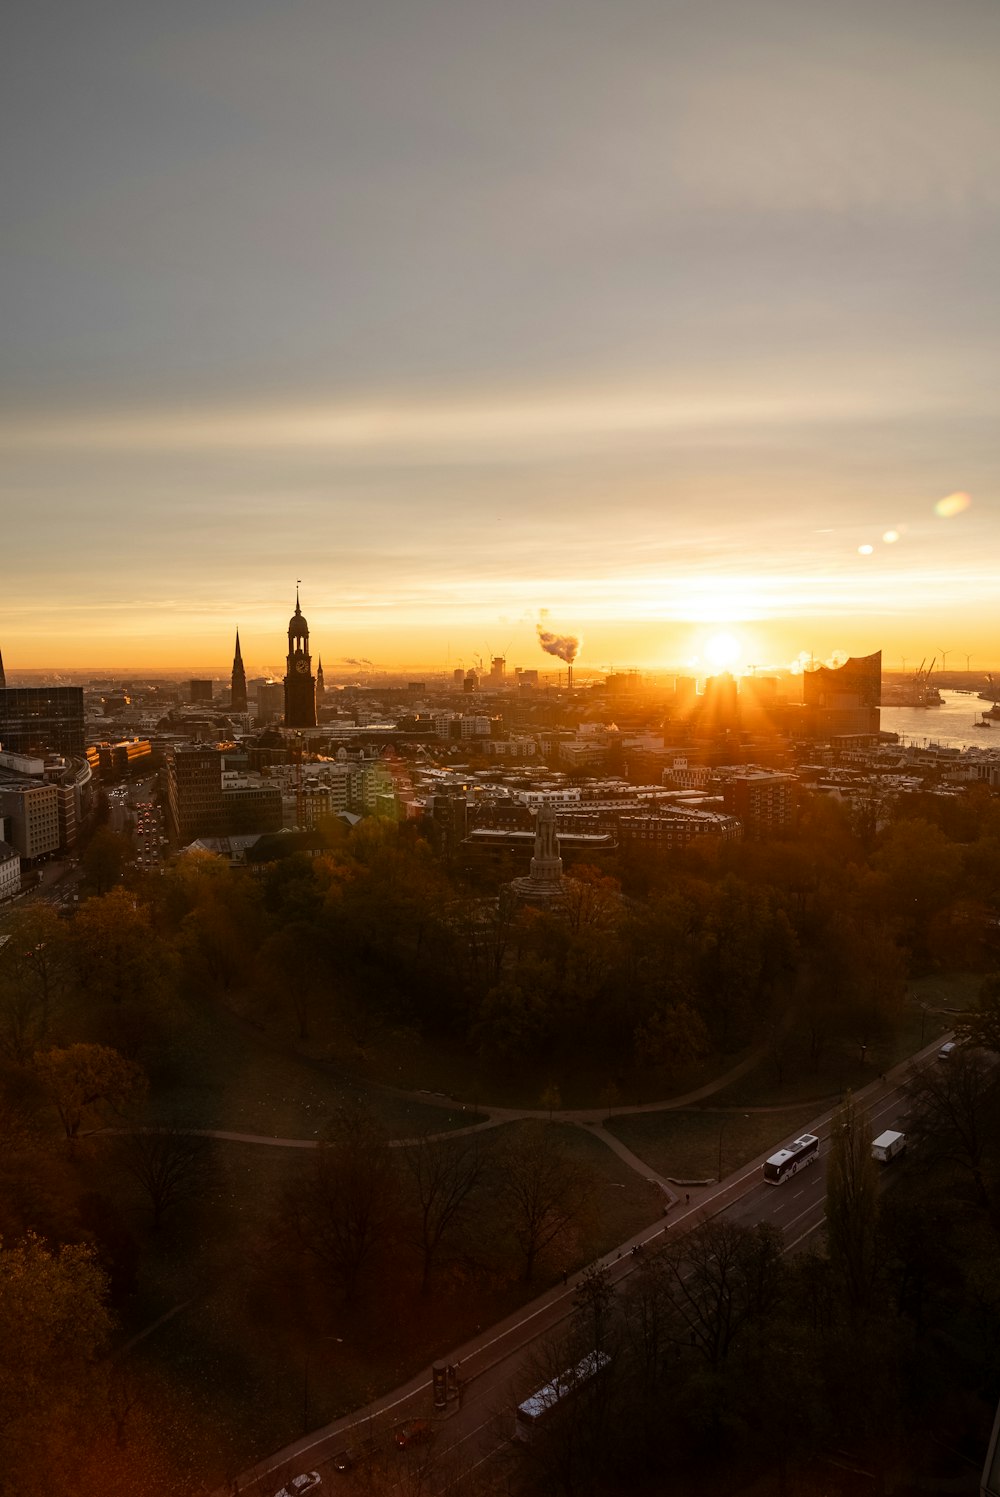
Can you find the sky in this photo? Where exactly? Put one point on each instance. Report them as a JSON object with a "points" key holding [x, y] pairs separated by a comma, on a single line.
{"points": [[645, 320]]}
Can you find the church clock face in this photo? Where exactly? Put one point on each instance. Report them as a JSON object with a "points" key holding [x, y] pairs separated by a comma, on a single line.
{"points": [[301, 666]]}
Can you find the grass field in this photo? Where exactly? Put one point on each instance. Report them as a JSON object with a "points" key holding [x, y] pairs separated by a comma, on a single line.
{"points": [[688, 1145]]}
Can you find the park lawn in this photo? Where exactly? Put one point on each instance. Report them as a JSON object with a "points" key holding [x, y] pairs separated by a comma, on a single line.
{"points": [[684, 1144], [220, 1073], [254, 1373]]}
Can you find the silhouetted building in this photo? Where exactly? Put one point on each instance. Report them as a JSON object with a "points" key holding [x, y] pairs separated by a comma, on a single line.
{"points": [[320, 681], [199, 691], [300, 683], [238, 681], [42, 719], [844, 699]]}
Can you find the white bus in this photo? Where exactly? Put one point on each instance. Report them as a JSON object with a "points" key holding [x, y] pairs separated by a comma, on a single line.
{"points": [[787, 1161], [542, 1404]]}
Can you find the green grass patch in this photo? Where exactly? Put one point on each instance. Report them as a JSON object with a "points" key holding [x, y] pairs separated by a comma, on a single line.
{"points": [[687, 1144]]}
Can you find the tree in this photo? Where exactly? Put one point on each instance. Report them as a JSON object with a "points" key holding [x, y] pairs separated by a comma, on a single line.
{"points": [[115, 951], [593, 1301], [544, 1192], [89, 1083], [852, 1204], [32, 973], [981, 1027], [719, 1280], [444, 1178], [953, 1106], [53, 1323], [172, 1165], [104, 859], [291, 964], [348, 1210], [671, 1036]]}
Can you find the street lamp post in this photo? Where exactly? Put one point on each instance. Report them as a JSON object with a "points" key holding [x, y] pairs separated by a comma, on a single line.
{"points": [[722, 1130]]}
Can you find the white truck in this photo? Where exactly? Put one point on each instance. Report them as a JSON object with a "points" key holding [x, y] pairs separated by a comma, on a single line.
{"points": [[888, 1146]]}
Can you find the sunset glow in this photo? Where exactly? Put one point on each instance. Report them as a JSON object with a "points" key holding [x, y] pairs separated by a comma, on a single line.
{"points": [[454, 364]]}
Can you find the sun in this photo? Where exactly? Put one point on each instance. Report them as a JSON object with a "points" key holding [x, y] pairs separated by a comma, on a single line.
{"points": [[722, 650]]}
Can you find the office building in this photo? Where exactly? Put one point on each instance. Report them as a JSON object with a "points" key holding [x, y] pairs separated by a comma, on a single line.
{"points": [[42, 719], [10, 871], [31, 814]]}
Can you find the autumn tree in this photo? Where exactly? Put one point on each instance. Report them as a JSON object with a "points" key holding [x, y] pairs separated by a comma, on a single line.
{"points": [[53, 1324], [292, 968], [33, 974], [88, 1084], [124, 969], [104, 859]]}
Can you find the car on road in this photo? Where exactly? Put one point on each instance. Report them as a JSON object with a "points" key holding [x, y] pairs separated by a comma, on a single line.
{"points": [[947, 1051], [353, 1455], [415, 1432], [309, 1481]]}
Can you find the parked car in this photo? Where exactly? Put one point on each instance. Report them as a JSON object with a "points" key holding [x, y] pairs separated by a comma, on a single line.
{"points": [[353, 1455], [947, 1051], [416, 1432], [309, 1481]]}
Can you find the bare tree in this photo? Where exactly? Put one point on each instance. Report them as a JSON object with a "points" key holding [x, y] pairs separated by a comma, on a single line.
{"points": [[954, 1106], [852, 1204], [348, 1209], [173, 1166], [444, 1177], [714, 1283], [544, 1192]]}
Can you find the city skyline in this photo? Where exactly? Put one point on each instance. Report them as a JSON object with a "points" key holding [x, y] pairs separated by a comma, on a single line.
{"points": [[644, 326]]}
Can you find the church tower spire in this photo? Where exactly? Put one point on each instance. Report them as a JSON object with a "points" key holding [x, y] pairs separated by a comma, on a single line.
{"points": [[300, 683], [3, 678], [320, 683], [238, 681]]}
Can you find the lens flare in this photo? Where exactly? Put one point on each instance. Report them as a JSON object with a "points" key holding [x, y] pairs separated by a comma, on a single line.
{"points": [[865, 550], [947, 508], [890, 537]]}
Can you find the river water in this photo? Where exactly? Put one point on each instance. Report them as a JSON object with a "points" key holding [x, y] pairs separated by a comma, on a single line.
{"points": [[953, 724]]}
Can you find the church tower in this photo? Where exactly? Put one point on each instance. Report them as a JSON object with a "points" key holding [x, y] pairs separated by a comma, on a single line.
{"points": [[3, 678], [300, 683], [320, 683], [238, 683]]}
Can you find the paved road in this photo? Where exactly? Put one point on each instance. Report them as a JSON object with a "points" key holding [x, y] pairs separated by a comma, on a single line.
{"points": [[492, 1365]]}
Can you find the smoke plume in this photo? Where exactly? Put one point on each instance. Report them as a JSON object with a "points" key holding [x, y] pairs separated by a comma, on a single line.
{"points": [[563, 646]]}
